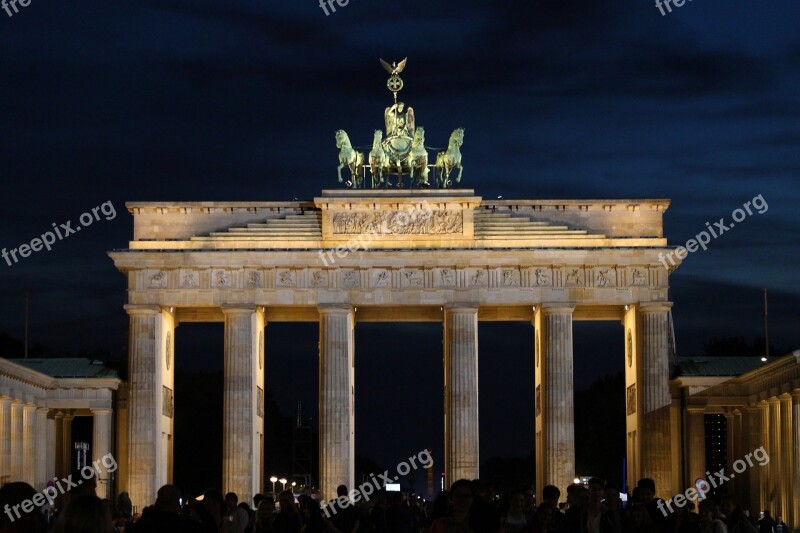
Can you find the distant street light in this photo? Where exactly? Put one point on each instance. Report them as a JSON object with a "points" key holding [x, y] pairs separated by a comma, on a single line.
{"points": [[283, 482], [274, 479]]}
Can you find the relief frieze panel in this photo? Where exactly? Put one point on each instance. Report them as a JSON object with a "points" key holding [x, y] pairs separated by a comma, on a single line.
{"points": [[318, 279], [541, 277], [381, 278], [399, 222], [157, 279], [189, 279], [604, 276], [574, 277], [638, 277], [413, 278], [452, 277], [221, 279], [351, 279], [444, 278], [477, 277], [285, 278], [254, 279]]}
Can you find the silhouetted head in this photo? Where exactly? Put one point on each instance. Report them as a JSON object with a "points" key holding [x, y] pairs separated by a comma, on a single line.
{"points": [[11, 497], [87, 514]]}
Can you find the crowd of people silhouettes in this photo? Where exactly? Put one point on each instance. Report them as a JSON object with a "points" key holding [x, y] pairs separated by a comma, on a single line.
{"points": [[468, 507]]}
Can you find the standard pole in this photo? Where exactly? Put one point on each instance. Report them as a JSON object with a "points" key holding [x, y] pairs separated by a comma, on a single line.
{"points": [[766, 325], [27, 298]]}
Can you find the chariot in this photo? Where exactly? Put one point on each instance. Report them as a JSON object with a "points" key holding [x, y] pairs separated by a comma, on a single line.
{"points": [[400, 152]]}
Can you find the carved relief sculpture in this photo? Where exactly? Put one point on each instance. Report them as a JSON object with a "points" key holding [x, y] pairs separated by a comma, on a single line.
{"points": [[399, 223], [574, 277], [631, 399], [286, 278], [319, 279], [542, 277]]}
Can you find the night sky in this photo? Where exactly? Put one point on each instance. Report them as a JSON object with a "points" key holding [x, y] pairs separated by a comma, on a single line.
{"points": [[239, 100]]}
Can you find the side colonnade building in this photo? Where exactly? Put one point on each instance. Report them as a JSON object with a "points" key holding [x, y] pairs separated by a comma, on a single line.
{"points": [[39, 399], [758, 405]]}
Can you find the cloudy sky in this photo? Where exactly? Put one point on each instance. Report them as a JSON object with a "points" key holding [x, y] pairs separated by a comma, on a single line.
{"points": [[238, 100]]}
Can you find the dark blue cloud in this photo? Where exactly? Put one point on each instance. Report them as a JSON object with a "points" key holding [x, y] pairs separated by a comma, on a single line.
{"points": [[168, 100]]}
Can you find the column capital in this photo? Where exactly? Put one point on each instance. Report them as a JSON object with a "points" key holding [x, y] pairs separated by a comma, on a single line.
{"points": [[136, 309], [465, 307], [654, 307], [773, 400], [560, 307], [100, 410], [335, 309], [696, 410], [234, 309], [796, 396], [40, 409]]}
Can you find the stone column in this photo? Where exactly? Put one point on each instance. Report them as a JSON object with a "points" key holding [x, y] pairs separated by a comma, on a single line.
{"points": [[29, 444], [51, 449], [786, 460], [754, 420], [5, 440], [730, 443], [655, 438], [17, 450], [41, 445], [148, 427], [336, 399], [101, 446], [554, 396], [58, 420], [776, 471], [66, 441], [242, 425], [120, 423], [695, 445], [735, 439], [765, 473], [461, 437], [795, 477]]}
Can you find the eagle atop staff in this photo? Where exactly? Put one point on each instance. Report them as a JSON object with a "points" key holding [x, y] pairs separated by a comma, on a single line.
{"points": [[394, 68]]}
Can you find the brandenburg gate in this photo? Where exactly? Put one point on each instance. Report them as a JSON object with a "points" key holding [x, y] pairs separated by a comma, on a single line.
{"points": [[438, 255], [383, 251]]}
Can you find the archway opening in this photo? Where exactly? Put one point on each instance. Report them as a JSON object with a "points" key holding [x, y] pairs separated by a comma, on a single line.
{"points": [[399, 410], [291, 402], [506, 385], [197, 442], [599, 385]]}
